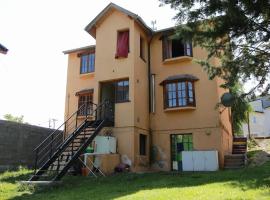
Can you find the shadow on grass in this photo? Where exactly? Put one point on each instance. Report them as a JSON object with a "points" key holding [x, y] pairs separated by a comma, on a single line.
{"points": [[12, 177], [126, 184]]}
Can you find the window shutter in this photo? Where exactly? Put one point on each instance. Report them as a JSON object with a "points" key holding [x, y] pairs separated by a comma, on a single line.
{"points": [[164, 47]]}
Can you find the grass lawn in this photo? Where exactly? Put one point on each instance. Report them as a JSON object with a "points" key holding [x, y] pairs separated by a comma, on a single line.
{"points": [[248, 183]]}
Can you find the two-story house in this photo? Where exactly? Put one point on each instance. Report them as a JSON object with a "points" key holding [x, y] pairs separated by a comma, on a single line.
{"points": [[163, 101]]}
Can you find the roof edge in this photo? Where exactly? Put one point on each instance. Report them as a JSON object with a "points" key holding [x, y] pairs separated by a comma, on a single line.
{"points": [[119, 8], [79, 49]]}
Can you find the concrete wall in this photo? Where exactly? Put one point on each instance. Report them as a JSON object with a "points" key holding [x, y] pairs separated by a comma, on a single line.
{"points": [[259, 124], [258, 120], [17, 142]]}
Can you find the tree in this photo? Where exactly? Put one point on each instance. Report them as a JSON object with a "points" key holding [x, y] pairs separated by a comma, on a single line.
{"points": [[240, 109], [236, 32], [10, 117]]}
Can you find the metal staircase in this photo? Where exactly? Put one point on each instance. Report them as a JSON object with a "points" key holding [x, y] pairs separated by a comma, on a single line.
{"points": [[58, 152]]}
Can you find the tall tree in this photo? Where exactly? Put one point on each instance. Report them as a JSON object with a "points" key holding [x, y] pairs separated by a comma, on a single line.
{"points": [[237, 32]]}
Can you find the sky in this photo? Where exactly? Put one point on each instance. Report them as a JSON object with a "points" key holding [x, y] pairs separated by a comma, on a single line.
{"points": [[33, 73]]}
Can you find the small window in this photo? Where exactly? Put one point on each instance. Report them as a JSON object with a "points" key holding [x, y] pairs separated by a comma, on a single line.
{"points": [[143, 144], [122, 91], [179, 94], [85, 105], [87, 63], [142, 48], [173, 48], [122, 48]]}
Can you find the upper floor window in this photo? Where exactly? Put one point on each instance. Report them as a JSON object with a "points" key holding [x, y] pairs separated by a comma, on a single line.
{"points": [[85, 105], [122, 47], [87, 63], [179, 94], [122, 91], [173, 48]]}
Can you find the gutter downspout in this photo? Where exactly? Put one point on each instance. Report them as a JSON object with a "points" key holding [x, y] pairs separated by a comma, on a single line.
{"points": [[149, 101]]}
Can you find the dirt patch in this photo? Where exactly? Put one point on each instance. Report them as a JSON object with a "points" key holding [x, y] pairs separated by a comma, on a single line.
{"points": [[258, 152]]}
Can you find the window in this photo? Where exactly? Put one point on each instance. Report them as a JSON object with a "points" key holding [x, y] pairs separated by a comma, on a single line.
{"points": [[142, 145], [179, 94], [122, 48], [142, 48], [173, 48], [85, 104], [122, 91], [87, 63]]}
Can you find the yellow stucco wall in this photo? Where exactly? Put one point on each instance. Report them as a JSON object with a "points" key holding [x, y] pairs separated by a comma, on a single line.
{"points": [[210, 128], [132, 118]]}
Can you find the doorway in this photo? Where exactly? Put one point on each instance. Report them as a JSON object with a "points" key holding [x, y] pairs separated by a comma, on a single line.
{"points": [[179, 143], [116, 91], [108, 93]]}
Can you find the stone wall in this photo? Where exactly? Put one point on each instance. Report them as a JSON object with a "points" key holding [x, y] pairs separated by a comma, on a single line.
{"points": [[17, 142]]}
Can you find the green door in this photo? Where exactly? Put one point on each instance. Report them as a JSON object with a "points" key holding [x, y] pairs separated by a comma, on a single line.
{"points": [[179, 143]]}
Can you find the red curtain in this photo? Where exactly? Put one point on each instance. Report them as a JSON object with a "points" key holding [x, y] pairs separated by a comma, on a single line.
{"points": [[122, 44]]}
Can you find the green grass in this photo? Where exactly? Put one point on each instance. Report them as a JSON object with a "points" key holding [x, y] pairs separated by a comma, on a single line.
{"points": [[248, 183]]}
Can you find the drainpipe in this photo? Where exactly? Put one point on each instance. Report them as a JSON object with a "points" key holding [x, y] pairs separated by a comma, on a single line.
{"points": [[149, 99], [149, 74]]}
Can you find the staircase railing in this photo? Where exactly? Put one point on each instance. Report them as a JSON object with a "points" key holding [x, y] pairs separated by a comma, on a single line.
{"points": [[88, 111]]}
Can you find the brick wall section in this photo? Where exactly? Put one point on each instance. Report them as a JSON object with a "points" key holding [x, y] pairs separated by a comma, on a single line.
{"points": [[17, 142]]}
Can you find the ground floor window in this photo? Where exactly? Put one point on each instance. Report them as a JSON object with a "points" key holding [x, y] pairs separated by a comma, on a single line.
{"points": [[142, 144], [179, 143]]}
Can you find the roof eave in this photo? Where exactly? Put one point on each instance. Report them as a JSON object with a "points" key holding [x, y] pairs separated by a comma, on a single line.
{"points": [[79, 49], [137, 18]]}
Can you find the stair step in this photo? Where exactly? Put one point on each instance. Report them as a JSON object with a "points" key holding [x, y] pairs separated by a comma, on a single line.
{"points": [[83, 136], [74, 146], [238, 152], [233, 162], [43, 175], [235, 156], [233, 167], [58, 164], [239, 146], [244, 150], [48, 170], [237, 139], [41, 183]]}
